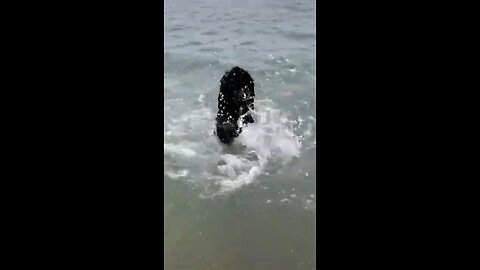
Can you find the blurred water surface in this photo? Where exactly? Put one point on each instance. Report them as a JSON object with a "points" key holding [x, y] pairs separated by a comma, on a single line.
{"points": [[252, 205]]}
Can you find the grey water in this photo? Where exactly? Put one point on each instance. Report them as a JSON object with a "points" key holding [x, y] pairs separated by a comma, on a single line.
{"points": [[251, 205]]}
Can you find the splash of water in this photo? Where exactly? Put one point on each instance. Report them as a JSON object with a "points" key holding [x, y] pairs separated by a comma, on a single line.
{"points": [[270, 139], [194, 154]]}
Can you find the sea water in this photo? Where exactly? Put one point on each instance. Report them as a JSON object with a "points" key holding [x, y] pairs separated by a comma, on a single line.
{"points": [[251, 205]]}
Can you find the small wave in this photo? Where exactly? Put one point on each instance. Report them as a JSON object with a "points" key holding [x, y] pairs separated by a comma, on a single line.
{"points": [[248, 42], [210, 33]]}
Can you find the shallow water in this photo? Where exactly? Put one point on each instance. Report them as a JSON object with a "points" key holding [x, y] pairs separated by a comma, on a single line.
{"points": [[251, 205]]}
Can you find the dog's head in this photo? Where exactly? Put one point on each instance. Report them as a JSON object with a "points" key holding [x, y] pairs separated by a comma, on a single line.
{"points": [[237, 92]]}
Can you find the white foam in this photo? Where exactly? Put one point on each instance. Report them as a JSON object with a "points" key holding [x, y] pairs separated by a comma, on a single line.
{"points": [[179, 174], [178, 150], [309, 205], [269, 139], [222, 169]]}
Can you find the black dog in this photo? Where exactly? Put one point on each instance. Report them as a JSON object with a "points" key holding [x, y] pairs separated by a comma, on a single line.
{"points": [[235, 99]]}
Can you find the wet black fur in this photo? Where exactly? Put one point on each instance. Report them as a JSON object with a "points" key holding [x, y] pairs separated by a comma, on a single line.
{"points": [[235, 98]]}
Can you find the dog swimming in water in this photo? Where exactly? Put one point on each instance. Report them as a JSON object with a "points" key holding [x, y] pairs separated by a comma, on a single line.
{"points": [[235, 100]]}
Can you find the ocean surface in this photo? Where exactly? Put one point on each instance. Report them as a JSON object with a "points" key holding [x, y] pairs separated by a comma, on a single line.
{"points": [[251, 205]]}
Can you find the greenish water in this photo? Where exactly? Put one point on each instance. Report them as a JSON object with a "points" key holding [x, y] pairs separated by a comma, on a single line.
{"points": [[240, 231]]}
